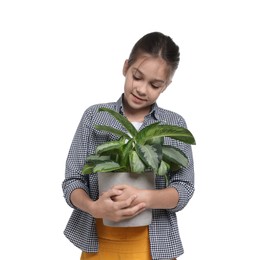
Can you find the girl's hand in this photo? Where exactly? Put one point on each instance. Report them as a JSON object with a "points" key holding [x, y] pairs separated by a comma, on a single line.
{"points": [[127, 191], [107, 206]]}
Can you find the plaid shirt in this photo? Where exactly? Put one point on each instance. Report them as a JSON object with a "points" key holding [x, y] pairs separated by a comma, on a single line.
{"points": [[164, 235]]}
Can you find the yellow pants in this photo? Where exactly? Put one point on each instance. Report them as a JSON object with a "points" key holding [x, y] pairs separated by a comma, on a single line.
{"points": [[120, 243]]}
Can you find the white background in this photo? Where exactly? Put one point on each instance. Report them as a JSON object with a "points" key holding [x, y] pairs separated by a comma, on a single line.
{"points": [[59, 57]]}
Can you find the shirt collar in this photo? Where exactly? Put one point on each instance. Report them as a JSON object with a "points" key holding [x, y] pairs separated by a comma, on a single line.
{"points": [[154, 111]]}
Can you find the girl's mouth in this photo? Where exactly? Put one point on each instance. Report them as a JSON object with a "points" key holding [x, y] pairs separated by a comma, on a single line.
{"points": [[138, 98]]}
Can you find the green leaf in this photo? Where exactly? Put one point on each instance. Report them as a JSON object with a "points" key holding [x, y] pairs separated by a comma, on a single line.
{"points": [[87, 169], [172, 131], [156, 140], [125, 153], [107, 167], [123, 120], [174, 155], [146, 134], [110, 146], [174, 167], [113, 131], [96, 158], [163, 168], [136, 164], [163, 171], [150, 155]]}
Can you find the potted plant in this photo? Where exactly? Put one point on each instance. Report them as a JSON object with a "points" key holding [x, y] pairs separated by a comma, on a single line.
{"points": [[137, 153]]}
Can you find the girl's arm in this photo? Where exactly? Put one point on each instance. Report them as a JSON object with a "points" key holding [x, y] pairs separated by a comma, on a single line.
{"points": [[154, 199], [105, 207]]}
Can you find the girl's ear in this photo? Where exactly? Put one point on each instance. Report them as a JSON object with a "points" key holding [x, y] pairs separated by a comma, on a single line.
{"points": [[125, 67]]}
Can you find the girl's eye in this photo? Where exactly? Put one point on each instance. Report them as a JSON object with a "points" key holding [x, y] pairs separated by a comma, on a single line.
{"points": [[154, 86], [136, 78]]}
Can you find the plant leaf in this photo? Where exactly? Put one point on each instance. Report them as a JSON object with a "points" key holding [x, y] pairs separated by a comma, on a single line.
{"points": [[156, 140], [87, 169], [107, 167], [174, 155], [110, 146], [172, 131], [174, 167], [146, 134], [163, 171], [96, 158], [163, 168], [150, 155], [112, 130], [123, 120], [125, 153], [136, 164]]}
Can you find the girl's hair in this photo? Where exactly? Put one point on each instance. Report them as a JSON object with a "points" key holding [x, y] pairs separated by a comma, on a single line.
{"points": [[157, 44]]}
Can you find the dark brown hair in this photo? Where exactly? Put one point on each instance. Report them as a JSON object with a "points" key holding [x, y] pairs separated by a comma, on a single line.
{"points": [[157, 44]]}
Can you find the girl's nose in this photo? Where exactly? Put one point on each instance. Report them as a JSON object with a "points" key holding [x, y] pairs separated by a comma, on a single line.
{"points": [[141, 88]]}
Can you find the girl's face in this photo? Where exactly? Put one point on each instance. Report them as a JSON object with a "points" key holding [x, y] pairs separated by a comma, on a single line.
{"points": [[145, 80]]}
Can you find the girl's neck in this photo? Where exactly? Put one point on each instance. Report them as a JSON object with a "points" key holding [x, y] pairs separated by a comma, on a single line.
{"points": [[135, 115], [135, 118]]}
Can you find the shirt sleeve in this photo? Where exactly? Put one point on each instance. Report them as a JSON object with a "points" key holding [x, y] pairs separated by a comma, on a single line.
{"points": [[74, 179], [183, 179]]}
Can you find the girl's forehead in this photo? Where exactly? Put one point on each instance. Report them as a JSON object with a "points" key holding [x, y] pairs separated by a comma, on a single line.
{"points": [[147, 64], [144, 59]]}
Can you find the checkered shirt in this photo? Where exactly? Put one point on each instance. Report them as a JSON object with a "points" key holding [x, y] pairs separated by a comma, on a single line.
{"points": [[165, 241]]}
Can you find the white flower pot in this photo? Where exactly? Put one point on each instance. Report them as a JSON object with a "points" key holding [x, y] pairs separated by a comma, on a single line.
{"points": [[142, 181]]}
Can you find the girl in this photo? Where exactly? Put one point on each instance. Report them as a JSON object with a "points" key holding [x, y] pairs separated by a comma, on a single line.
{"points": [[148, 71]]}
